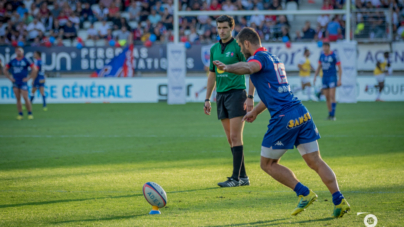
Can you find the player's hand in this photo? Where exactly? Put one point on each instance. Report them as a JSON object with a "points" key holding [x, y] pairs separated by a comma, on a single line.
{"points": [[25, 79], [338, 83], [220, 65], [249, 104], [250, 117], [207, 107]]}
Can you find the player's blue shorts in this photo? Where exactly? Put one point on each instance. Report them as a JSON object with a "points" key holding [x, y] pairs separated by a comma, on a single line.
{"points": [[39, 81], [329, 82], [20, 85], [291, 129]]}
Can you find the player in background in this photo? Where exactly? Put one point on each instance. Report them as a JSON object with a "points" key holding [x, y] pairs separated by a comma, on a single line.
{"points": [[290, 125], [383, 67], [231, 99], [19, 69], [39, 81], [304, 73], [328, 62]]}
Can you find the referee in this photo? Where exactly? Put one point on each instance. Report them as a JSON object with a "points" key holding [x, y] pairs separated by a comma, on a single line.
{"points": [[232, 100]]}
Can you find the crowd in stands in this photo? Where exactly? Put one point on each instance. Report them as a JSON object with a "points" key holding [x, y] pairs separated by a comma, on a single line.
{"points": [[50, 22]]}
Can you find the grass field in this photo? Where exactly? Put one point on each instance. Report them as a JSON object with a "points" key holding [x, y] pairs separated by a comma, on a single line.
{"points": [[85, 165]]}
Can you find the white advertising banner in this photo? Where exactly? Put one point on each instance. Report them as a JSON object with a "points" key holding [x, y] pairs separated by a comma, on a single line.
{"points": [[176, 72], [133, 90], [347, 54], [366, 54]]}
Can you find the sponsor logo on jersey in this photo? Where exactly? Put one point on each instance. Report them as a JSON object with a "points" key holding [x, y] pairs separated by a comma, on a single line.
{"points": [[219, 71], [279, 143], [294, 123], [228, 54]]}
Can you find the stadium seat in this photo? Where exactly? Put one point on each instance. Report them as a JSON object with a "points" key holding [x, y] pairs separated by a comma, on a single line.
{"points": [[115, 33], [187, 32], [86, 24], [133, 24], [50, 7], [82, 34], [75, 42], [67, 43], [125, 15], [100, 43], [97, 25], [290, 6], [95, 7], [89, 43]]}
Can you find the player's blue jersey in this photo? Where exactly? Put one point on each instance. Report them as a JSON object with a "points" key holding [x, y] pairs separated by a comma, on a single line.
{"points": [[272, 84], [41, 74], [19, 68], [329, 64]]}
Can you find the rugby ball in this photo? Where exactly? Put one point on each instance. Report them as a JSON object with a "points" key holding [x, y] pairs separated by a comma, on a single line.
{"points": [[154, 194]]}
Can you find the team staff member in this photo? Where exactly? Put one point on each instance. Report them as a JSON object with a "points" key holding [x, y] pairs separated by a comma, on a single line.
{"points": [[19, 69], [383, 67], [232, 100]]}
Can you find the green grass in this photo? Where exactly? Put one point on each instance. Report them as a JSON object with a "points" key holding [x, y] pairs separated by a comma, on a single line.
{"points": [[85, 165]]}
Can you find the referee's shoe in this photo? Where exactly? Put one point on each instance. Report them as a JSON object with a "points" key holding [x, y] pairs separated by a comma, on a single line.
{"points": [[231, 182]]}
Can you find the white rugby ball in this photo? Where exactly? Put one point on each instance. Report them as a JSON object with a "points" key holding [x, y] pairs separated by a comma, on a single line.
{"points": [[155, 194]]}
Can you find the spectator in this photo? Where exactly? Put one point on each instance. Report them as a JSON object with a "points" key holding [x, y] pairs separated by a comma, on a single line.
{"points": [[56, 29], [103, 29], [62, 18], [266, 30], [298, 36], [33, 10], [323, 20], [215, 6], [74, 18], [36, 42], [229, 6], [257, 19], [333, 30], [400, 31], [158, 8], [133, 11], [55, 11], [2, 29], [247, 4], [109, 35], [27, 18], [137, 33], [122, 34], [106, 3], [59, 42], [34, 28], [113, 10], [119, 22], [44, 11], [102, 12], [158, 34], [145, 12], [78, 8], [327, 5], [258, 4], [87, 14], [308, 32], [21, 10], [92, 33], [169, 6], [275, 5], [69, 31], [154, 18], [285, 32], [167, 19], [193, 36]]}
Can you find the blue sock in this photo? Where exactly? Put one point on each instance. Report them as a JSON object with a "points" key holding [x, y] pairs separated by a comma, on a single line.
{"points": [[337, 197], [300, 189], [29, 112], [20, 113], [333, 107], [32, 98], [44, 101]]}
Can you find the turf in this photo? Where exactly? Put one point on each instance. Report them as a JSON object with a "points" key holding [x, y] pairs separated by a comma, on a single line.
{"points": [[85, 165]]}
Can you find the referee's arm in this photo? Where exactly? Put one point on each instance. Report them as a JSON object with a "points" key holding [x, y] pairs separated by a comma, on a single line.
{"points": [[211, 84]]}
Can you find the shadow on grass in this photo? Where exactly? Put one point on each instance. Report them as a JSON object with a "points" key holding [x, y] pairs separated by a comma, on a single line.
{"points": [[101, 219], [86, 199], [270, 222]]}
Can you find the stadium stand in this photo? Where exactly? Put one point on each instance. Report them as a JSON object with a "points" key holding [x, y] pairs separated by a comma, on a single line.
{"points": [[96, 22]]}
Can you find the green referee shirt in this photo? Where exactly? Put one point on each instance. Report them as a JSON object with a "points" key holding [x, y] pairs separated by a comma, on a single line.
{"points": [[228, 53]]}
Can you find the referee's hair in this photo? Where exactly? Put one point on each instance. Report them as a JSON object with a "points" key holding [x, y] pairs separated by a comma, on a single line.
{"points": [[250, 35], [225, 18]]}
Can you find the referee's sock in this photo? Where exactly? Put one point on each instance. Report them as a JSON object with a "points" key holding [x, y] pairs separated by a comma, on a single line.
{"points": [[237, 161]]}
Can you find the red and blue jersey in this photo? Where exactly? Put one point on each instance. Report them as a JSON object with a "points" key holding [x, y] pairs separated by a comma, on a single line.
{"points": [[19, 68], [329, 64], [272, 84]]}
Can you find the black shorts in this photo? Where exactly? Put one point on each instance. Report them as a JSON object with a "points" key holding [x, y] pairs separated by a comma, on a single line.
{"points": [[230, 104]]}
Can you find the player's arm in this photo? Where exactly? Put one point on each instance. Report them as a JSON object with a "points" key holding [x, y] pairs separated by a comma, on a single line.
{"points": [[7, 74], [240, 68], [252, 115], [339, 73], [209, 89], [317, 72], [34, 72]]}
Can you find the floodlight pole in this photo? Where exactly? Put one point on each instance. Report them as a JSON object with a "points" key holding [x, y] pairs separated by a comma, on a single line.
{"points": [[176, 19]]}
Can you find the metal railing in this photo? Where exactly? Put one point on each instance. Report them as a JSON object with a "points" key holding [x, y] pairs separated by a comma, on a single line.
{"points": [[372, 25]]}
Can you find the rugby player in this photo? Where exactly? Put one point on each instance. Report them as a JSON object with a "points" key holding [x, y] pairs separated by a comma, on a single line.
{"points": [[328, 62], [290, 125], [39, 81], [19, 70], [231, 99]]}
